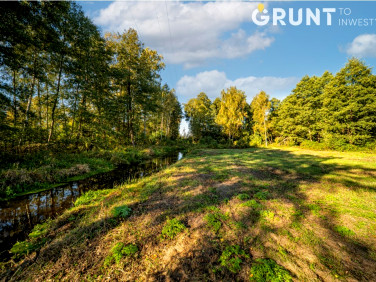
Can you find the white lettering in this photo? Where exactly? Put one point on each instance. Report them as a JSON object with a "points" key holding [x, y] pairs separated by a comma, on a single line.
{"points": [[328, 12], [314, 17], [278, 15], [291, 17]]}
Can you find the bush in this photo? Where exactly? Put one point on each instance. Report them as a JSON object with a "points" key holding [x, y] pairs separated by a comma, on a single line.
{"points": [[209, 142], [268, 270], [231, 258], [172, 228], [121, 211], [255, 141], [307, 144]]}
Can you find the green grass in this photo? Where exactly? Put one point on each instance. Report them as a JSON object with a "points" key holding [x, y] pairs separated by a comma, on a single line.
{"points": [[258, 214], [45, 170], [91, 197]]}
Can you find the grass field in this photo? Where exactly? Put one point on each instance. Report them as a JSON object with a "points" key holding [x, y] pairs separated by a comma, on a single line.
{"points": [[253, 214]]}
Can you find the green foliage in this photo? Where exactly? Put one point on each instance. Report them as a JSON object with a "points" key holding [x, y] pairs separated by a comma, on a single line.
{"points": [[232, 112], [40, 230], [344, 231], [243, 196], [252, 204], [255, 140], [22, 248], [172, 228], [91, 197], [260, 107], [269, 271], [54, 92], [215, 219], [262, 195], [121, 211], [332, 112], [231, 258], [267, 214], [199, 113], [119, 251]]}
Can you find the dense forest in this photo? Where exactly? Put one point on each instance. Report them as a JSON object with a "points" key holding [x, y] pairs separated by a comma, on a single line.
{"points": [[327, 112], [64, 83]]}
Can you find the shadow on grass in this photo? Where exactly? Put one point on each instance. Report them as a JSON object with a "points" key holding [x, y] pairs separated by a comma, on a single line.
{"points": [[280, 174], [265, 175]]}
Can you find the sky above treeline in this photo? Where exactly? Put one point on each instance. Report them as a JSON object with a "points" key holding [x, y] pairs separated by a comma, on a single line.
{"points": [[209, 46]]}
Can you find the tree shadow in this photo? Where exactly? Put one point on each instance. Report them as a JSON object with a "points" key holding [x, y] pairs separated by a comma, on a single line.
{"points": [[281, 174], [216, 179]]}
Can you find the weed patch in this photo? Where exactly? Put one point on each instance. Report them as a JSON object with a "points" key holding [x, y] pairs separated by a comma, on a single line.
{"points": [[232, 258], [119, 251], [215, 219], [252, 204], [268, 270], [121, 211], [262, 195], [172, 228], [243, 196]]}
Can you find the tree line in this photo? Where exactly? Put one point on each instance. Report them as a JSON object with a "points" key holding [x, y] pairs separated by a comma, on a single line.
{"points": [[62, 82], [332, 111]]}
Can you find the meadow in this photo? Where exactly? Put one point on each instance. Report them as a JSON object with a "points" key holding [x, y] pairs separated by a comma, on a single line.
{"points": [[258, 214]]}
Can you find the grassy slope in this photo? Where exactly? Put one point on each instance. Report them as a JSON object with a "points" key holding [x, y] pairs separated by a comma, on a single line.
{"points": [[45, 170], [314, 213]]}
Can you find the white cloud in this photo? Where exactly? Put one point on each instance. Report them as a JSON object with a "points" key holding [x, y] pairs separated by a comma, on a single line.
{"points": [[192, 33], [363, 46], [212, 82]]}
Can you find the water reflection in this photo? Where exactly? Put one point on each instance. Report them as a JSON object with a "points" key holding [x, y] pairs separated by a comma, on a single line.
{"points": [[17, 217]]}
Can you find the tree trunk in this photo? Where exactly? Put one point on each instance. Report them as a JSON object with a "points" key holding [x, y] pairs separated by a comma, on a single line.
{"points": [[129, 113], [55, 101], [266, 139], [14, 99], [39, 105]]}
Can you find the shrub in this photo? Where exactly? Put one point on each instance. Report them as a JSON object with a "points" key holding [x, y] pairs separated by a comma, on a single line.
{"points": [[172, 228], [121, 211], [268, 270], [255, 141], [231, 258]]}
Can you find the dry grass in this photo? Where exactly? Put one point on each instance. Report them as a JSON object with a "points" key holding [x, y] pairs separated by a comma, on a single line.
{"points": [[312, 212]]}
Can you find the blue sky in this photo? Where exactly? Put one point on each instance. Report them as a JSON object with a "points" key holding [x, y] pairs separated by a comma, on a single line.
{"points": [[209, 46]]}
